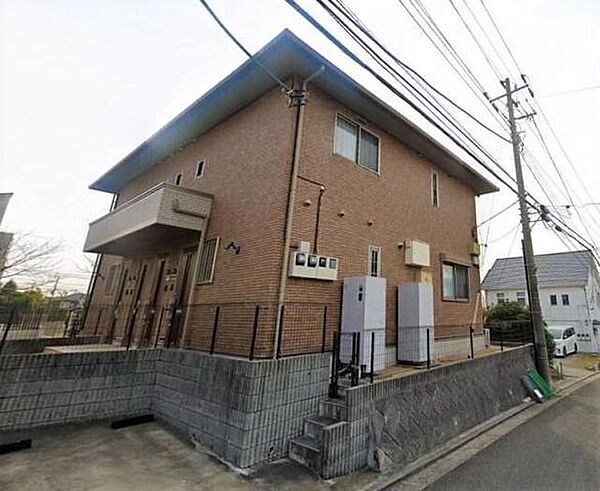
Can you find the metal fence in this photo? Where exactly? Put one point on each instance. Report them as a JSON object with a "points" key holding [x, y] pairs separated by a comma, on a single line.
{"points": [[53, 323], [356, 355]]}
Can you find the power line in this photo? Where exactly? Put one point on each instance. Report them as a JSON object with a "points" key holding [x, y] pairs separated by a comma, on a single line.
{"points": [[241, 46], [573, 91], [497, 214]]}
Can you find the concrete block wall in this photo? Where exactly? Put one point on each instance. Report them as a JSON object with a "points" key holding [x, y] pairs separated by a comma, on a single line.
{"points": [[45, 389], [244, 411], [394, 422]]}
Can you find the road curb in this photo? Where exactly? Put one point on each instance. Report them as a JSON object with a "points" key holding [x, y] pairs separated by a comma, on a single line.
{"points": [[384, 482]]}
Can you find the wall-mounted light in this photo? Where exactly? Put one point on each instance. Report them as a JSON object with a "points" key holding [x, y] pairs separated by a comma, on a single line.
{"points": [[235, 247]]}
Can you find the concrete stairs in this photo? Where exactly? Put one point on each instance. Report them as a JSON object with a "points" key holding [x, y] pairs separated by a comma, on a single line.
{"points": [[308, 449]]}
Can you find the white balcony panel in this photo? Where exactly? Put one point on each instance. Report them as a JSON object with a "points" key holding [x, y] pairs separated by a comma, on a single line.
{"points": [[161, 219]]}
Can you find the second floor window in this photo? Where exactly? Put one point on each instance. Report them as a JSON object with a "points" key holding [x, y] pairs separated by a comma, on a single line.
{"points": [[374, 261], [435, 190], [553, 300], [500, 297], [565, 299], [356, 144], [521, 298]]}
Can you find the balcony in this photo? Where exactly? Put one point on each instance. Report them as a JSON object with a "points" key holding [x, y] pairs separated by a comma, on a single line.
{"points": [[161, 219]]}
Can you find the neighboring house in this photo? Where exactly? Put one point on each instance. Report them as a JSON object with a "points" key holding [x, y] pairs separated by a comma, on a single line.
{"points": [[72, 301], [569, 288], [5, 237], [201, 208]]}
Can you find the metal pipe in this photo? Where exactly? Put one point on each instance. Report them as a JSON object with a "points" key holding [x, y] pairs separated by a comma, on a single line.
{"points": [[300, 100]]}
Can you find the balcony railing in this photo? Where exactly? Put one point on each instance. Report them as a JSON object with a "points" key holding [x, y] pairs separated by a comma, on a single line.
{"points": [[152, 222]]}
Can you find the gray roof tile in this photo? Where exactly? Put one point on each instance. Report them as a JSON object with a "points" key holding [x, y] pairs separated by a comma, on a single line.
{"points": [[559, 269]]}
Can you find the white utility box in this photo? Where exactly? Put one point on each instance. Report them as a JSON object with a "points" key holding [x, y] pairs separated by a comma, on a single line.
{"points": [[415, 317], [306, 265], [416, 253], [363, 311]]}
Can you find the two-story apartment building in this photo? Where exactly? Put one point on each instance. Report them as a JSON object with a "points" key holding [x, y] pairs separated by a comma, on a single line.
{"points": [[569, 288], [208, 210]]}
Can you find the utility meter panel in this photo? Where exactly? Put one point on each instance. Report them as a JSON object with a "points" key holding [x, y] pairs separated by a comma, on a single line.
{"points": [[363, 311]]}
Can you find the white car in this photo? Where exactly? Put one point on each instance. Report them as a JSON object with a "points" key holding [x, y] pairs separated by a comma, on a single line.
{"points": [[565, 340]]}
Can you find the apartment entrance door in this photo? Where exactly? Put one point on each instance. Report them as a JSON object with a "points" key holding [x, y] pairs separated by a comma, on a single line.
{"points": [[135, 304], [182, 293]]}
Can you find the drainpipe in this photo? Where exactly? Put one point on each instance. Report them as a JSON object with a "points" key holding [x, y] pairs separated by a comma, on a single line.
{"points": [[298, 99]]}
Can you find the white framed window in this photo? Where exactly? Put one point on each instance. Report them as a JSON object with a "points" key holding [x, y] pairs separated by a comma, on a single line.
{"points": [[553, 300], [521, 299], [500, 297], [355, 143], [200, 167], [208, 258], [455, 282], [178, 179], [565, 299], [435, 189], [374, 261]]}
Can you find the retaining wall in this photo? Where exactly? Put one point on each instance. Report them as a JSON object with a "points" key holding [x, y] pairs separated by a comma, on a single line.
{"points": [[394, 422], [244, 411], [46, 389]]}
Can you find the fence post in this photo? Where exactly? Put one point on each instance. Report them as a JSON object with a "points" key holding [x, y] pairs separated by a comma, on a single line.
{"points": [[214, 333], [333, 383], [158, 326], [254, 329], [324, 329], [501, 337], [471, 340], [280, 329], [428, 349], [372, 354], [97, 321], [7, 328]]}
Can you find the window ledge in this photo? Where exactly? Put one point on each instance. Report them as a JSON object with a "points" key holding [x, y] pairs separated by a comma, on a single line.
{"points": [[456, 300]]}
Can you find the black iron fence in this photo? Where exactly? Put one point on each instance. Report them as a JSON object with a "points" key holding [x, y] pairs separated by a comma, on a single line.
{"points": [[358, 357], [52, 323]]}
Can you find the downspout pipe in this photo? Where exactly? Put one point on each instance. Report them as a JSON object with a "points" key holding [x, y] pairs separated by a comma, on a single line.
{"points": [[298, 99]]}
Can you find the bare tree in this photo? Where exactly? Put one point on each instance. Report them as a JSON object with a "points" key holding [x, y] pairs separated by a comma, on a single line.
{"points": [[31, 257]]}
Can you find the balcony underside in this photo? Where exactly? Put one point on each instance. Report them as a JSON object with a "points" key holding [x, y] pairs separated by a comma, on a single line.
{"points": [[154, 239]]}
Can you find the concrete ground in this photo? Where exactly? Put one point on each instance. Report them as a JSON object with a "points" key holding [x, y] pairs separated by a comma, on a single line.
{"points": [[144, 457]]}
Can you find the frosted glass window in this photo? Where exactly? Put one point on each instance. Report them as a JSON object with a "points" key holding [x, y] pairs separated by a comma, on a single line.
{"points": [[346, 138], [369, 150]]}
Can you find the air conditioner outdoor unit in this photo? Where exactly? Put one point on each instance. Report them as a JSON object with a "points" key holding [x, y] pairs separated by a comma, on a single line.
{"points": [[416, 253]]}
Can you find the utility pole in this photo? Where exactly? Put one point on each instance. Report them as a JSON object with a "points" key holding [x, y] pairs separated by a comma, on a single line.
{"points": [[539, 334]]}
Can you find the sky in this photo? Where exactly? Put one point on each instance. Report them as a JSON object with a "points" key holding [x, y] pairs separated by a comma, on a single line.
{"points": [[83, 83]]}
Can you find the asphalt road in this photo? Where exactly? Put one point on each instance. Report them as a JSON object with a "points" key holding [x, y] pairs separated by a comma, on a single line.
{"points": [[557, 449]]}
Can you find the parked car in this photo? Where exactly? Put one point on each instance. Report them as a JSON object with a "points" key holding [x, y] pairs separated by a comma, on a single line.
{"points": [[565, 339]]}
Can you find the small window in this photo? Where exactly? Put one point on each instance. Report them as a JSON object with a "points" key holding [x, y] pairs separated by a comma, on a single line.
{"points": [[178, 179], [455, 282], [356, 144], [435, 191], [200, 168], [208, 257], [500, 298], [521, 298], [553, 300], [374, 261], [565, 299]]}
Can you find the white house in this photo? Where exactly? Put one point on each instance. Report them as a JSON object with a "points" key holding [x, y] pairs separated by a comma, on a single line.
{"points": [[569, 288]]}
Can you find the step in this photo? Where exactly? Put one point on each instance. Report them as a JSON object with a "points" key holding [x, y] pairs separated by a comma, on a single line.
{"points": [[333, 408], [313, 426], [307, 451]]}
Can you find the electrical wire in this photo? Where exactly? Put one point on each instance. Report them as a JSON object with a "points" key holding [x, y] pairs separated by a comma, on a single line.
{"points": [[497, 214]]}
